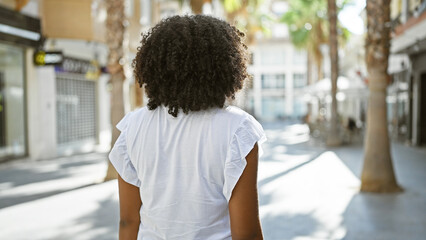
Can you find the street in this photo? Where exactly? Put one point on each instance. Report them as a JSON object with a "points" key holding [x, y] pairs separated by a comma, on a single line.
{"points": [[306, 192]]}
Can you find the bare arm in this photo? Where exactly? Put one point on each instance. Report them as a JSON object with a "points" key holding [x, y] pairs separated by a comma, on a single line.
{"points": [[244, 204], [130, 204]]}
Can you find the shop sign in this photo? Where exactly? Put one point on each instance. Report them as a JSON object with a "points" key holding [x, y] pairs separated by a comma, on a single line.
{"points": [[90, 69], [42, 58], [63, 64]]}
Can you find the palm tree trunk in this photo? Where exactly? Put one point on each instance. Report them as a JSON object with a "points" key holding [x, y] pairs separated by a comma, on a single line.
{"points": [[114, 38], [333, 138], [317, 56], [197, 6], [309, 68], [378, 173]]}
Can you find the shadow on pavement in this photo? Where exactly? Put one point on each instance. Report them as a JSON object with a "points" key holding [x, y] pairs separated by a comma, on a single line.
{"points": [[102, 223], [388, 216], [278, 175], [22, 182], [385, 216], [278, 227]]}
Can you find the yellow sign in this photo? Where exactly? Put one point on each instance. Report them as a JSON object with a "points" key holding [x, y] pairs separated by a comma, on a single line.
{"points": [[42, 58]]}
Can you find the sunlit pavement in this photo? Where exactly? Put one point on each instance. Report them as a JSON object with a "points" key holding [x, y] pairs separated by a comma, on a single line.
{"points": [[24, 180], [310, 192], [306, 192]]}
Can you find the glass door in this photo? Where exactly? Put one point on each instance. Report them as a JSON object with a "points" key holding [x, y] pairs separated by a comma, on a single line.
{"points": [[12, 102]]}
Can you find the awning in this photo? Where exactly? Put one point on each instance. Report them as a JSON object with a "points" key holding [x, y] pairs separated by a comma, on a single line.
{"points": [[344, 84], [19, 29]]}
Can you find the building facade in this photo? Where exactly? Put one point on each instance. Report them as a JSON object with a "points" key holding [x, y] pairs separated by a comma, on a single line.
{"points": [[54, 101], [279, 72], [19, 35], [279, 75], [407, 91]]}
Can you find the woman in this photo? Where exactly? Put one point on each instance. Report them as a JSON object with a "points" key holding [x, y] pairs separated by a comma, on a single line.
{"points": [[187, 163]]}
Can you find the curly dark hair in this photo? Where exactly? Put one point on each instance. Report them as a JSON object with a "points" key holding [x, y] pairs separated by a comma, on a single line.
{"points": [[191, 63]]}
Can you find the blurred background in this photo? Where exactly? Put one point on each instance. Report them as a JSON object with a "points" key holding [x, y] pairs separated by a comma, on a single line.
{"points": [[343, 104]]}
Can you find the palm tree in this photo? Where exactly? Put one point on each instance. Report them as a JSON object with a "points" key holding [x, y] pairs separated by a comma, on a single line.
{"points": [[115, 28], [309, 29], [246, 15], [307, 24], [333, 138], [377, 173]]}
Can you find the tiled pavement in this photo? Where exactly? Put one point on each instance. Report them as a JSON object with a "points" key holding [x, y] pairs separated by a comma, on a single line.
{"points": [[306, 192]]}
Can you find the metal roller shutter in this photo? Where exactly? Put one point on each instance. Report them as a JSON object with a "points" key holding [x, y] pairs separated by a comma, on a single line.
{"points": [[76, 108]]}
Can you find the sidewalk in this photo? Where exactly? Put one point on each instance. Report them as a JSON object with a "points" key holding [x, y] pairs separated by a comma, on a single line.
{"points": [[306, 192], [24, 180], [319, 198]]}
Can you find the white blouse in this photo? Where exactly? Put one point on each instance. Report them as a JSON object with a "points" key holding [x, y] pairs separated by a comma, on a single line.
{"points": [[186, 168]]}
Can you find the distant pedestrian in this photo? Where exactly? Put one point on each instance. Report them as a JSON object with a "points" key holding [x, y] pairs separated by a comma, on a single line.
{"points": [[351, 126], [187, 163]]}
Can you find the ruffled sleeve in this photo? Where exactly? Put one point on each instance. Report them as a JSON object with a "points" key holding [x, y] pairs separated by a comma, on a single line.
{"points": [[120, 158], [248, 133]]}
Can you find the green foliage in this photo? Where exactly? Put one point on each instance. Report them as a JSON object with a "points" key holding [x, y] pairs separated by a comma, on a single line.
{"points": [[248, 18], [232, 5], [308, 22], [181, 2], [235, 5], [299, 37]]}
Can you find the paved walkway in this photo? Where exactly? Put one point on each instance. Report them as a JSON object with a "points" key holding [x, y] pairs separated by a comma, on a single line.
{"points": [[306, 192], [25, 180]]}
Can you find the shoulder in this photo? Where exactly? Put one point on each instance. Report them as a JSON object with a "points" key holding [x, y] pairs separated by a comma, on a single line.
{"points": [[244, 120], [233, 117], [239, 115], [140, 112], [233, 112], [131, 117]]}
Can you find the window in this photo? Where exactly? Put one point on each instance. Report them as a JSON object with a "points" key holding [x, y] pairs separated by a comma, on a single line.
{"points": [[272, 57], [273, 81], [251, 59], [299, 80], [12, 102], [299, 57], [299, 108], [273, 108]]}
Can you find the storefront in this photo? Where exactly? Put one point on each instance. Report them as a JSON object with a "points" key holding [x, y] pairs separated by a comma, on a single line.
{"points": [[76, 101], [17, 33], [12, 102], [407, 93], [399, 102], [351, 97]]}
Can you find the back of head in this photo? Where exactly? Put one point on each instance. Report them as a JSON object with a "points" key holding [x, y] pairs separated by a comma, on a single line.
{"points": [[191, 63]]}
